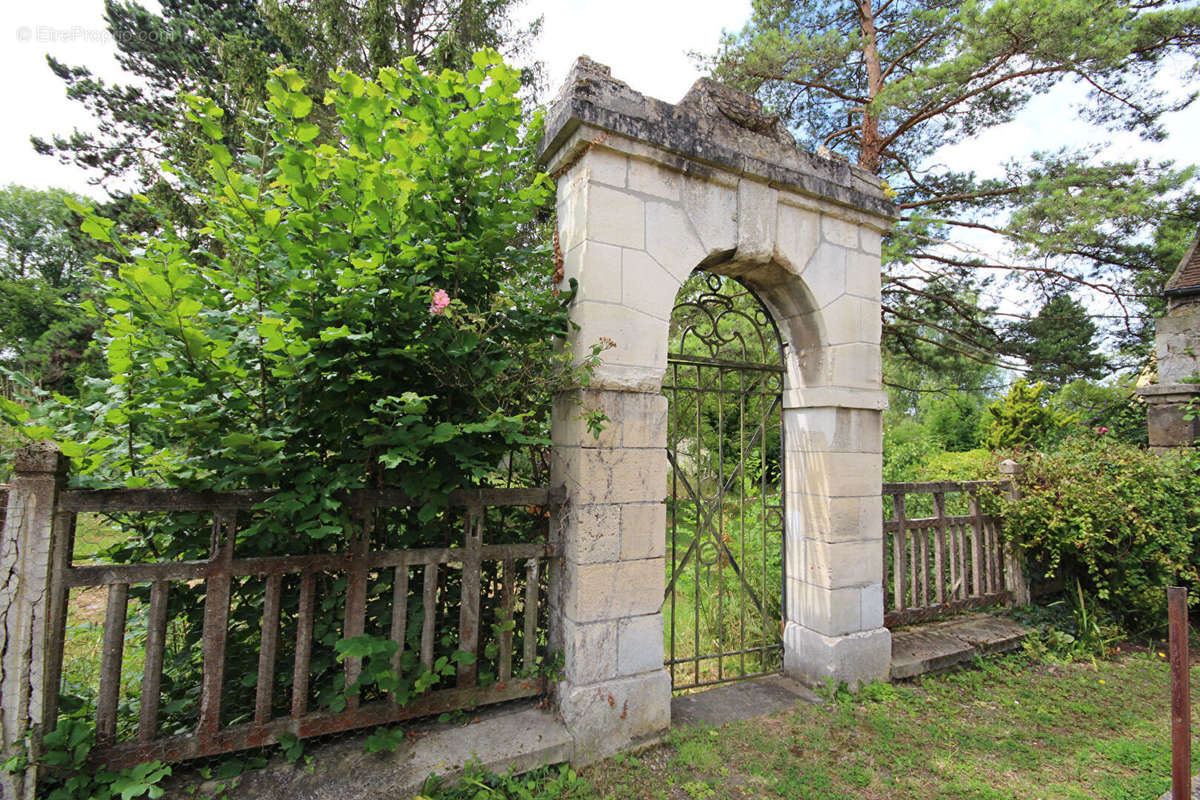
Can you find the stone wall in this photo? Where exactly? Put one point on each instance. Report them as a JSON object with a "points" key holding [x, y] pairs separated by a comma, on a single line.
{"points": [[1177, 352]]}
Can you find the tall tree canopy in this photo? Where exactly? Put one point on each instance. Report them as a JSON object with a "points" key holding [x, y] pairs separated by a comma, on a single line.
{"points": [[225, 49], [44, 274], [1057, 344], [889, 83]]}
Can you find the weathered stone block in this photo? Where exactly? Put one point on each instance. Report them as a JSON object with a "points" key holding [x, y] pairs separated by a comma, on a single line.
{"points": [[635, 419], [569, 413], [591, 534], [830, 612], [837, 565], [855, 659], [625, 475], [597, 269], [863, 276], [572, 216], [641, 340], [798, 233], [833, 519], [834, 430], [589, 651], [672, 241], [870, 241], [825, 274], [647, 287], [650, 178], [639, 644], [643, 530], [644, 419], [622, 713], [872, 604], [1168, 428], [712, 210], [844, 474], [615, 217], [594, 592], [756, 221], [839, 232], [602, 165], [850, 319], [857, 365]]}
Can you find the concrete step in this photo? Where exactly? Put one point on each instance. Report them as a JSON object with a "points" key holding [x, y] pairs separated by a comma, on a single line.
{"points": [[735, 701], [938, 646], [519, 738]]}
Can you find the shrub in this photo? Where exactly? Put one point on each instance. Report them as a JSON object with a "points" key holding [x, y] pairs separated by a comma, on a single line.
{"points": [[953, 419], [1022, 419], [1121, 520], [1112, 409], [906, 447], [968, 465], [357, 304]]}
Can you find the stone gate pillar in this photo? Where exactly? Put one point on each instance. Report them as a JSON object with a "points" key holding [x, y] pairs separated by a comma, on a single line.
{"points": [[647, 193]]}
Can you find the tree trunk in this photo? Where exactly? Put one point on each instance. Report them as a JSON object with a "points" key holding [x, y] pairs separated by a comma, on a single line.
{"points": [[869, 154]]}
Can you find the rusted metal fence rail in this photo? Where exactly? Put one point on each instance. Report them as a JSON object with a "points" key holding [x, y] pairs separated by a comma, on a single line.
{"points": [[501, 585], [941, 551]]}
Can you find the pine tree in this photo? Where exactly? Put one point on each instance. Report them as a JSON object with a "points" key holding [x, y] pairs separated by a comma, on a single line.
{"points": [[888, 83], [1059, 343]]}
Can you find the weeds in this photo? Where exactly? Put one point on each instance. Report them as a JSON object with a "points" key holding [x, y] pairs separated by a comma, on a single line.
{"points": [[476, 783]]}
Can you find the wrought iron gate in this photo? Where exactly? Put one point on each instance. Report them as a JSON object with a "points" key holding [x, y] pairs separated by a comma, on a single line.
{"points": [[724, 385]]}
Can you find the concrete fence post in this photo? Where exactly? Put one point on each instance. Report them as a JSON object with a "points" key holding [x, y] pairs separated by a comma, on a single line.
{"points": [[35, 541], [1015, 581]]}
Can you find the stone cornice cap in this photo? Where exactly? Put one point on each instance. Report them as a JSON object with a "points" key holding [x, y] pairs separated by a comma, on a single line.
{"points": [[713, 123]]}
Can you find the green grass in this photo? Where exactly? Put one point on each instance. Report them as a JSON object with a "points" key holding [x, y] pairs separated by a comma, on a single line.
{"points": [[1006, 729]]}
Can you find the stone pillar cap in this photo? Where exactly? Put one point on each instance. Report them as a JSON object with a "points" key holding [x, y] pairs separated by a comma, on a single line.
{"points": [[714, 124], [39, 457], [1162, 389]]}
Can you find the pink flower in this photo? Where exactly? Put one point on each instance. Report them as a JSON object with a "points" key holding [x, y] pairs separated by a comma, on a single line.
{"points": [[439, 303], [1102, 429]]}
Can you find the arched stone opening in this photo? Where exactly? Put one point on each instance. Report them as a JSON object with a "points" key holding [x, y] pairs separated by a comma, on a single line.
{"points": [[724, 381], [647, 192]]}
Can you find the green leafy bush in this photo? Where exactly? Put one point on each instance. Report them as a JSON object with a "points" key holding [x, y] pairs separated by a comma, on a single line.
{"points": [[358, 302], [1022, 419], [1112, 409], [953, 419], [1117, 518], [366, 305]]}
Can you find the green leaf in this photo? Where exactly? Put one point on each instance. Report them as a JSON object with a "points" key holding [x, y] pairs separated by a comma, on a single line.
{"points": [[306, 132]]}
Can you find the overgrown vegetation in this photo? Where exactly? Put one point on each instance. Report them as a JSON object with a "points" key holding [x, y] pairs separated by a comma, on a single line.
{"points": [[364, 312], [1119, 519]]}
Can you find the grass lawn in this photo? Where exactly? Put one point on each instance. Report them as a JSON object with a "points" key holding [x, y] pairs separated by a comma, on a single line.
{"points": [[1004, 729]]}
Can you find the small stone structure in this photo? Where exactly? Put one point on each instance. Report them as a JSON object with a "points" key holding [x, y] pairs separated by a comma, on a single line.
{"points": [[647, 193], [1177, 348]]}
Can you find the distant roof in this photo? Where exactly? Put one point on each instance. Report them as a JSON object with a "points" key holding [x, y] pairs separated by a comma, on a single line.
{"points": [[1186, 279]]}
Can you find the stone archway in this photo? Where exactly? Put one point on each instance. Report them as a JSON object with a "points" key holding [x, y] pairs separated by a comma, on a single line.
{"points": [[647, 192]]}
